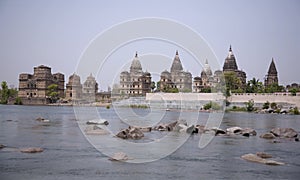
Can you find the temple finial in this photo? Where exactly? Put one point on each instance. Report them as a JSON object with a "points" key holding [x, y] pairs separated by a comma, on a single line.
{"points": [[136, 54], [206, 61], [177, 52], [230, 48]]}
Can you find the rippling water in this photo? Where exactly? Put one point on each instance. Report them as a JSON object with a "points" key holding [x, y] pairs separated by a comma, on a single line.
{"points": [[68, 155]]}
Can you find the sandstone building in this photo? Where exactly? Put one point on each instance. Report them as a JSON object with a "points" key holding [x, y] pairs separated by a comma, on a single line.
{"points": [[176, 78], [33, 88], [230, 65], [135, 82], [74, 88], [206, 80], [272, 76]]}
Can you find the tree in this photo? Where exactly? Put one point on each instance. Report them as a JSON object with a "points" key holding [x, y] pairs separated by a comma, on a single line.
{"points": [[4, 93], [233, 83], [250, 105], [254, 86], [153, 86], [273, 105], [266, 105], [293, 91], [158, 86], [52, 93]]}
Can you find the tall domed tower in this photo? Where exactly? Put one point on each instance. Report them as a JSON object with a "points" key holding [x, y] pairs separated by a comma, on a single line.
{"points": [[272, 76], [230, 62], [135, 82], [230, 65], [176, 65], [176, 78]]}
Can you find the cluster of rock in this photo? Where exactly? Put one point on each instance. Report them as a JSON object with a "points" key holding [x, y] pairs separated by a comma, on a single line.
{"points": [[131, 133], [287, 133]]}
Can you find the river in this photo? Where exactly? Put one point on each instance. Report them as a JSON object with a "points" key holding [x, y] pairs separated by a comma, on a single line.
{"points": [[69, 155]]}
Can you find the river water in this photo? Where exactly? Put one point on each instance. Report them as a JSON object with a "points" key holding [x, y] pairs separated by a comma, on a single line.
{"points": [[69, 155]]}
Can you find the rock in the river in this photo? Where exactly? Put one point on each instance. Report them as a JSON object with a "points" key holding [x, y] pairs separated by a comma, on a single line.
{"points": [[263, 155], [135, 133], [218, 131], [284, 132], [2, 146], [257, 159], [234, 130], [130, 133], [95, 130], [98, 122], [267, 136], [201, 128], [32, 150], [249, 131], [123, 134], [41, 119], [120, 156]]}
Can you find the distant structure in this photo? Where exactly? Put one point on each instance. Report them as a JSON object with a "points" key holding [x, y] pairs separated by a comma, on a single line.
{"points": [[74, 88], [176, 78], [135, 82], [230, 65], [272, 76], [33, 87], [206, 80]]}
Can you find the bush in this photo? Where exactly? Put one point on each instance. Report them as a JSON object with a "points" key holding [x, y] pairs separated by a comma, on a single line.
{"points": [[296, 111], [18, 101], [273, 105], [266, 105], [108, 107], [250, 105], [212, 105]]}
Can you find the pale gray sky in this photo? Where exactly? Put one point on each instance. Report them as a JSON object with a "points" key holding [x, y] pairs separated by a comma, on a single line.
{"points": [[55, 33]]}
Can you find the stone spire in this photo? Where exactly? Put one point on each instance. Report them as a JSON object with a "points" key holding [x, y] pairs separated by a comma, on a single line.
{"points": [[272, 76], [135, 65], [230, 62], [272, 68], [176, 66], [207, 70]]}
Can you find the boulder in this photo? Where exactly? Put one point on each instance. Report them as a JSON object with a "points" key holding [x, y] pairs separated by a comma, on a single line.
{"points": [[257, 159], [267, 136], [218, 131], [123, 134], [130, 133], [97, 122], [135, 133], [120, 156], [95, 130], [2, 146], [249, 131], [41, 119], [263, 155], [143, 129], [32, 150], [284, 132], [234, 130], [200, 128]]}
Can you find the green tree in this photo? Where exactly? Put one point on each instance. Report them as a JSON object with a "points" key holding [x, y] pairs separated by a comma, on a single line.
{"points": [[266, 105], [273, 105], [52, 93], [254, 86], [233, 83], [158, 86], [4, 93], [293, 91], [153, 86], [250, 105]]}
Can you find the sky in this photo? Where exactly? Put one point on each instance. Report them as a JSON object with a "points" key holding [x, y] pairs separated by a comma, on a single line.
{"points": [[58, 33]]}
